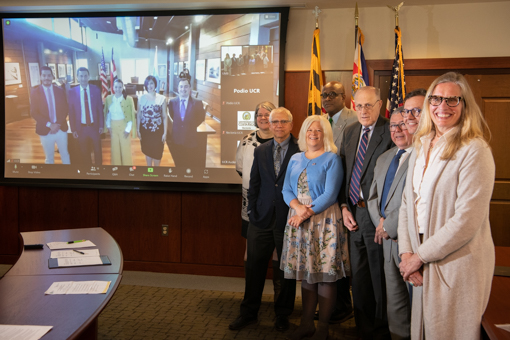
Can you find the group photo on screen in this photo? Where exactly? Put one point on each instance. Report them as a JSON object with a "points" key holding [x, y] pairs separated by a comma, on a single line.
{"points": [[163, 92]]}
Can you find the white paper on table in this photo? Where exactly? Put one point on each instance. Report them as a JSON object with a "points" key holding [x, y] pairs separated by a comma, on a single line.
{"points": [[69, 253], [78, 287], [79, 261], [89, 287], [23, 332], [65, 245], [505, 327]]}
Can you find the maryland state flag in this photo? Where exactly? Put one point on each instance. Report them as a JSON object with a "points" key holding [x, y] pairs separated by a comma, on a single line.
{"points": [[314, 90], [359, 70], [398, 86]]}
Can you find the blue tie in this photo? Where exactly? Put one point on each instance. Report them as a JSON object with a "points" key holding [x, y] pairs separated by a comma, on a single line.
{"points": [[183, 109], [354, 188], [390, 176]]}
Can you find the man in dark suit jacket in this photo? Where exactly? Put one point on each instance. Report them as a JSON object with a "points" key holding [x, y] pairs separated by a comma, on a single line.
{"points": [[49, 109], [86, 117], [384, 205], [339, 116], [364, 141], [186, 114], [268, 216]]}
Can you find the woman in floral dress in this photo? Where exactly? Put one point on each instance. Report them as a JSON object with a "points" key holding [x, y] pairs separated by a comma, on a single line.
{"points": [[152, 122], [315, 244]]}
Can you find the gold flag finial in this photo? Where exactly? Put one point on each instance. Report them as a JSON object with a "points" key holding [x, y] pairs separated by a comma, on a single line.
{"points": [[356, 15], [396, 9], [316, 12]]}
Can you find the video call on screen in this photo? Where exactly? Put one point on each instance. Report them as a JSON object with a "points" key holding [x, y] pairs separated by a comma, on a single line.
{"points": [[232, 61]]}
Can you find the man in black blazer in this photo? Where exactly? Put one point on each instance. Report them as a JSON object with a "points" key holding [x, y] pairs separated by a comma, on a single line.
{"points": [[49, 109], [268, 216], [363, 142], [186, 114]]}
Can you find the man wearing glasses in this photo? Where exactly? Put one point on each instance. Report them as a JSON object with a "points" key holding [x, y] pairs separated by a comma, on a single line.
{"points": [[362, 144], [339, 116], [384, 205], [268, 216], [412, 109]]}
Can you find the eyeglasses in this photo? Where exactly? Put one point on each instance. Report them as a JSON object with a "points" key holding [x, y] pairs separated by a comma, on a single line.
{"points": [[401, 125], [263, 116], [416, 112], [331, 95], [360, 107], [278, 122], [450, 101]]}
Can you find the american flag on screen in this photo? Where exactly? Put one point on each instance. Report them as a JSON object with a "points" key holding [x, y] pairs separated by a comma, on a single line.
{"points": [[104, 81], [113, 74], [397, 92]]}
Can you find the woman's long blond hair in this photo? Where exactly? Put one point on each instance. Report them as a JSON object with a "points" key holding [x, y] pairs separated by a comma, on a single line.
{"points": [[471, 125]]}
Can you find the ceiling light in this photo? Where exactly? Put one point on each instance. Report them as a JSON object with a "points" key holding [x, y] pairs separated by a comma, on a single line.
{"points": [[169, 41]]}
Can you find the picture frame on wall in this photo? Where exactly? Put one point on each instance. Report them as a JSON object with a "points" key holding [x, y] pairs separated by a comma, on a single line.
{"points": [[200, 69], [53, 69], [35, 75], [62, 70], [70, 73], [176, 69], [213, 71], [162, 71], [181, 67], [12, 74]]}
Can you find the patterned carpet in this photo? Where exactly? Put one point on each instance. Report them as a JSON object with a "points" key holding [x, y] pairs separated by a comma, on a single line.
{"points": [[139, 312]]}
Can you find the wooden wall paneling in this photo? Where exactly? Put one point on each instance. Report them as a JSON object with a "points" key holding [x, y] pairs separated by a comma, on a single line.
{"points": [[499, 223], [296, 97], [9, 241], [497, 114], [56, 208], [211, 229], [135, 220]]}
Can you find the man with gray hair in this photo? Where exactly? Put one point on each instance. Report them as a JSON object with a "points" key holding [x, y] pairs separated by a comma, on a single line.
{"points": [[362, 144], [384, 205], [268, 216]]}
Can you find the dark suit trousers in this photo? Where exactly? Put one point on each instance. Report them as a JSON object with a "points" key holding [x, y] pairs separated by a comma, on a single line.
{"points": [[261, 244], [368, 283], [90, 135]]}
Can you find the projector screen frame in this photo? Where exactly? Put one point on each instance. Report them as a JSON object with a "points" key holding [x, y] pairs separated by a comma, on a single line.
{"points": [[125, 184]]}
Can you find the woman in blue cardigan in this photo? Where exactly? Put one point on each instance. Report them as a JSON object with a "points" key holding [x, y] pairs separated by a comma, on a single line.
{"points": [[315, 244]]}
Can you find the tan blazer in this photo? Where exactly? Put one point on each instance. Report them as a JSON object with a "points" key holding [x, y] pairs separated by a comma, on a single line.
{"points": [[128, 107], [457, 247]]}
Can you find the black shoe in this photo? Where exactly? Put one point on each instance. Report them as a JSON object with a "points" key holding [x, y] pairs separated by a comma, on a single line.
{"points": [[282, 323], [339, 317], [241, 322], [336, 317]]}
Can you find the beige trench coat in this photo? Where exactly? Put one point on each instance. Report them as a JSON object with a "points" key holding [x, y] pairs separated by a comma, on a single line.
{"points": [[457, 247]]}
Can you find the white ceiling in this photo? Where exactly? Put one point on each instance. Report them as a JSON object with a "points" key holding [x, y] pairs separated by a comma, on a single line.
{"points": [[118, 5]]}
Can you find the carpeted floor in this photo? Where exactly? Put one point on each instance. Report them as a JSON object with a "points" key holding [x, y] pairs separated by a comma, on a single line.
{"points": [[157, 306], [141, 312]]}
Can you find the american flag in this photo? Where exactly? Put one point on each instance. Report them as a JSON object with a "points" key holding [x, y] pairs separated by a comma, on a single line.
{"points": [[113, 74], [397, 92], [104, 81]]}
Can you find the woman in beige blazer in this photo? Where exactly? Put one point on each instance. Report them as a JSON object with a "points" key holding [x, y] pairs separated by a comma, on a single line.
{"points": [[119, 113], [444, 234]]}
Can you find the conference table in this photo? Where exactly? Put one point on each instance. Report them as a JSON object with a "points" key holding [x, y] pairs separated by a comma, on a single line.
{"points": [[498, 309], [22, 298]]}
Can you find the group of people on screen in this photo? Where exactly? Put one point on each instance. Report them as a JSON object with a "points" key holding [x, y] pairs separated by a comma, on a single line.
{"points": [[245, 64], [155, 120], [401, 206]]}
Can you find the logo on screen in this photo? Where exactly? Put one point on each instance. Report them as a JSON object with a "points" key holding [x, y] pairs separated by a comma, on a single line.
{"points": [[150, 170], [245, 120]]}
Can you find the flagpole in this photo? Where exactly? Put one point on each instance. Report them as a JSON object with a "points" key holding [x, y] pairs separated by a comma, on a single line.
{"points": [[356, 16]]}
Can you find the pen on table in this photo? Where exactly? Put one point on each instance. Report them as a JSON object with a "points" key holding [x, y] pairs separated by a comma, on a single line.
{"points": [[76, 241], [79, 251]]}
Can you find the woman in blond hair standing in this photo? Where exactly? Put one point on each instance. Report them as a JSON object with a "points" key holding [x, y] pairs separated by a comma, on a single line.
{"points": [[444, 234]]}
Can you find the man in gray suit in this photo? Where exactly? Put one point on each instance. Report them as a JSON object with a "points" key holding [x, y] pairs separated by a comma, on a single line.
{"points": [[384, 204], [333, 101]]}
